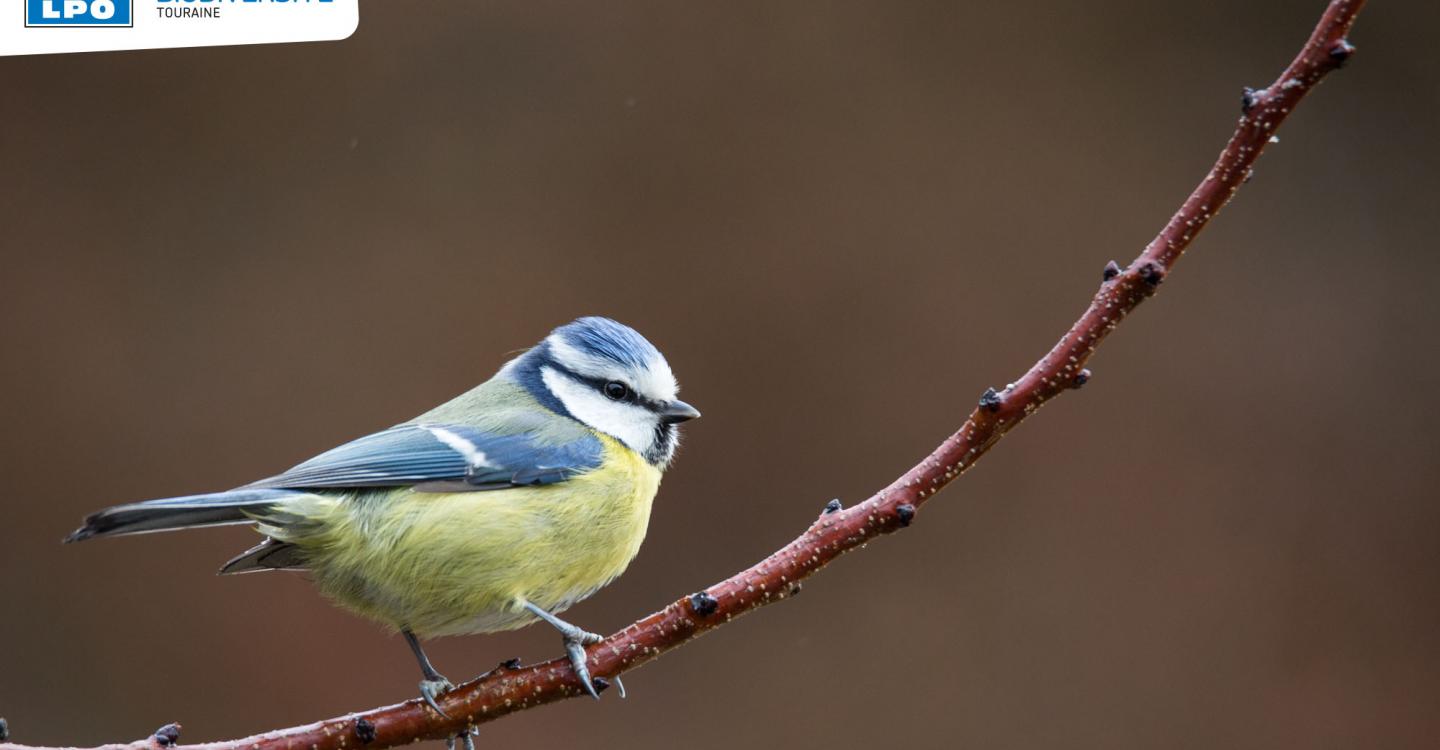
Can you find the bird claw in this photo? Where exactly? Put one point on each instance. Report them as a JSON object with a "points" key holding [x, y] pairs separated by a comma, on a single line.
{"points": [[432, 689], [466, 740], [576, 651], [588, 638], [575, 643]]}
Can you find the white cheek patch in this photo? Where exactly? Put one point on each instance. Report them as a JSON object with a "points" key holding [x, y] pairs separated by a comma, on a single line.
{"points": [[630, 424]]}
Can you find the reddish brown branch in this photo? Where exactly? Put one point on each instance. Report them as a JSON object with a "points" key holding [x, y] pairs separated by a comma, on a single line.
{"points": [[837, 531]]}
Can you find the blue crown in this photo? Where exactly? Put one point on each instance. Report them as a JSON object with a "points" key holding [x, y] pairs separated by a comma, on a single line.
{"points": [[604, 338]]}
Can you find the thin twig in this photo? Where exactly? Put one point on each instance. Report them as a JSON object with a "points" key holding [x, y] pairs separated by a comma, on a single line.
{"points": [[510, 688]]}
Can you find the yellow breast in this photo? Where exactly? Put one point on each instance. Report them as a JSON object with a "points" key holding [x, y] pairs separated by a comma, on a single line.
{"points": [[453, 563]]}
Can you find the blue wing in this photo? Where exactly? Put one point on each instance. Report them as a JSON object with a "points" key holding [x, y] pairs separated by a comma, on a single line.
{"points": [[442, 458]]}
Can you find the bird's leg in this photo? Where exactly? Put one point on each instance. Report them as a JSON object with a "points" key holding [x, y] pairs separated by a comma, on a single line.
{"points": [[575, 642], [434, 683]]}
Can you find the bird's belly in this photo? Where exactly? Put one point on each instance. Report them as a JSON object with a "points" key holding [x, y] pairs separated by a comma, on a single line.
{"points": [[456, 563]]}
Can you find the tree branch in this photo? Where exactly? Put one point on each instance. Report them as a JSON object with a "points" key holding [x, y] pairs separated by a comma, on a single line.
{"points": [[510, 688]]}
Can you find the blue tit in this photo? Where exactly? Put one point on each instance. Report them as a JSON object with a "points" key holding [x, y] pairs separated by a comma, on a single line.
{"points": [[503, 506]]}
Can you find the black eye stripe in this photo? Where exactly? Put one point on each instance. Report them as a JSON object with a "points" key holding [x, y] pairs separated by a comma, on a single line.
{"points": [[632, 397]]}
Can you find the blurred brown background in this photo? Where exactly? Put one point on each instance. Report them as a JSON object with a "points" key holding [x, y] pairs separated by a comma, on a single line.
{"points": [[841, 221]]}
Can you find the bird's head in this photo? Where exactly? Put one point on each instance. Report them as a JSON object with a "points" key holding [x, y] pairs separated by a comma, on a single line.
{"points": [[607, 376]]}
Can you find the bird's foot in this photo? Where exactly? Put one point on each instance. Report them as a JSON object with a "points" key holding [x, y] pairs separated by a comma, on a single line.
{"points": [[434, 687], [466, 740], [575, 642]]}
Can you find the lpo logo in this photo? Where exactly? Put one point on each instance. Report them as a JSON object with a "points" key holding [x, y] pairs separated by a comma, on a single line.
{"points": [[79, 13]]}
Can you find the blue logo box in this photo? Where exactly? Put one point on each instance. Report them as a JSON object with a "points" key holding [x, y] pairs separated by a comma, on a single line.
{"points": [[79, 13]]}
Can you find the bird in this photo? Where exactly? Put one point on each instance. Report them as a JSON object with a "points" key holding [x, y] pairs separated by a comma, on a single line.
{"points": [[497, 509]]}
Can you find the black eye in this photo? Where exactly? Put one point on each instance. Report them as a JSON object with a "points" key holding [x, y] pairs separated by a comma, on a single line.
{"points": [[616, 391]]}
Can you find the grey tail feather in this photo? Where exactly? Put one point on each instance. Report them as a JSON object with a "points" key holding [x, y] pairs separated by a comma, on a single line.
{"points": [[214, 509], [267, 555]]}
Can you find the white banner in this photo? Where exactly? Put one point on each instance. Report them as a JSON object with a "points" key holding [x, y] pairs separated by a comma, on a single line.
{"points": [[32, 27]]}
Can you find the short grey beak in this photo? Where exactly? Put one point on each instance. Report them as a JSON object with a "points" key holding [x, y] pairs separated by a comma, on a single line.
{"points": [[674, 412]]}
